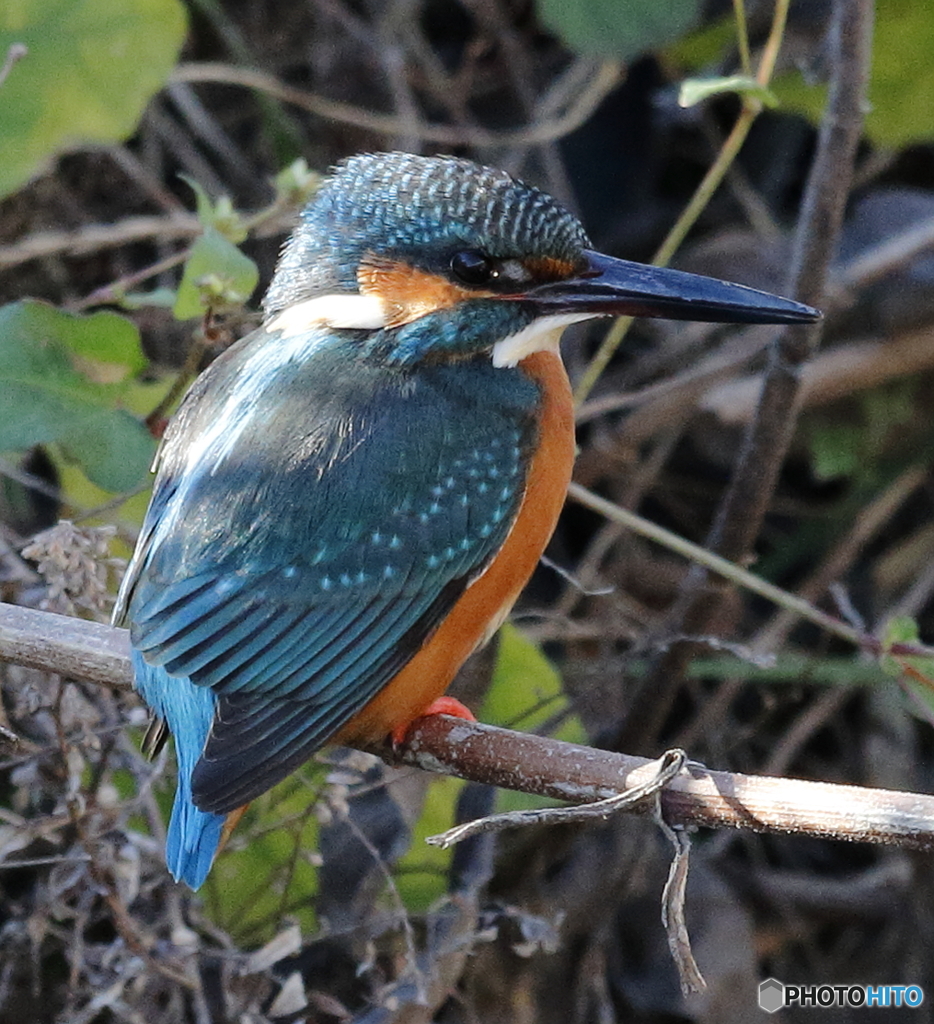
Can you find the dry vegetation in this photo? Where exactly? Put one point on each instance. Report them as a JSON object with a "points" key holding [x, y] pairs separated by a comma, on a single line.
{"points": [[545, 925]]}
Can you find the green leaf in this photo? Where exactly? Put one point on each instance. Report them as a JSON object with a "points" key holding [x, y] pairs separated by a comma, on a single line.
{"points": [[526, 690], [901, 86], [220, 215], [421, 875], [704, 46], [619, 28], [58, 377], [164, 298], [297, 184], [203, 205], [835, 449], [216, 274], [696, 90], [112, 447], [91, 67], [106, 339], [269, 866]]}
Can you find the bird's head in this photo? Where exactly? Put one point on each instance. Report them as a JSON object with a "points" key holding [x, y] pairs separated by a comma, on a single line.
{"points": [[438, 258]]}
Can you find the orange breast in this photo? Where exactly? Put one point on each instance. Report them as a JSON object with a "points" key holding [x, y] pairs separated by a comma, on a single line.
{"points": [[486, 603]]}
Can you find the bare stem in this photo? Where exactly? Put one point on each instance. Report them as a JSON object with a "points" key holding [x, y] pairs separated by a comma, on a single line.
{"points": [[704, 192], [745, 503], [537, 764], [605, 78]]}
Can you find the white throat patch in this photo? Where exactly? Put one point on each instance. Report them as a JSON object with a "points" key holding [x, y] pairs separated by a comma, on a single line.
{"points": [[543, 334]]}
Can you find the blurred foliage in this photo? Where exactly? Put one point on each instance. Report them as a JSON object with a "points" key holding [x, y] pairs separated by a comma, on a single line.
{"points": [[901, 90], [217, 275], [914, 673], [91, 67], [421, 874], [526, 691], [64, 380], [901, 93], [696, 90], [268, 871], [854, 447], [621, 29]]}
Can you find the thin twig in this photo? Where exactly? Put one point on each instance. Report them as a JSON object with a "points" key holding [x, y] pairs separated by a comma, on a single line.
{"points": [[605, 79], [29, 480], [841, 556], [794, 604], [888, 256], [668, 766], [94, 237], [728, 570], [673, 904]]}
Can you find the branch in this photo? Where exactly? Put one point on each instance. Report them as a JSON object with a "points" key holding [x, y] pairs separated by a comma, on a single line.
{"points": [[547, 767], [538, 764], [179, 226], [67, 646], [606, 76]]}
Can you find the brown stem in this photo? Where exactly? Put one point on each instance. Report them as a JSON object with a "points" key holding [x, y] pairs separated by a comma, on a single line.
{"points": [[537, 764]]}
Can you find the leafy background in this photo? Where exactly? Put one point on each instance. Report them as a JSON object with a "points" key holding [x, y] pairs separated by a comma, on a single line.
{"points": [[144, 200]]}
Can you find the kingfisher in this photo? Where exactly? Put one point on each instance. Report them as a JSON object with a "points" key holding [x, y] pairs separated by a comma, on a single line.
{"points": [[350, 499]]}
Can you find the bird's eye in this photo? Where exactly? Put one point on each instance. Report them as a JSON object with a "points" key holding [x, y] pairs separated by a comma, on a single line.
{"points": [[473, 267]]}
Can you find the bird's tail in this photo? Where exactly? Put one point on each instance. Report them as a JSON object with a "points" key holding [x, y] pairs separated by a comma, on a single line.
{"points": [[194, 836]]}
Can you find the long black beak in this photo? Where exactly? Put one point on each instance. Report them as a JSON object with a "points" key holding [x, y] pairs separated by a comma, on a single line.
{"points": [[620, 288]]}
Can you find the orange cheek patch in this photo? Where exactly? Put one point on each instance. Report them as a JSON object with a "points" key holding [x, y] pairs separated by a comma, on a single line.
{"points": [[408, 293]]}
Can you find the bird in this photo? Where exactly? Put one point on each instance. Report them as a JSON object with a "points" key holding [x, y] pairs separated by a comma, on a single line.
{"points": [[349, 500]]}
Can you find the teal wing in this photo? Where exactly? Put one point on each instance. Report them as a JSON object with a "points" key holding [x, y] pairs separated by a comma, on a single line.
{"points": [[307, 535]]}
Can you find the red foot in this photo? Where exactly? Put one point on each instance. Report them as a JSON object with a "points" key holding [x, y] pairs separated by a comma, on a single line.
{"points": [[441, 706]]}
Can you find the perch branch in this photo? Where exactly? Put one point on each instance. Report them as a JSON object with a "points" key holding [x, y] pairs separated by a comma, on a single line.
{"points": [[538, 764], [69, 647]]}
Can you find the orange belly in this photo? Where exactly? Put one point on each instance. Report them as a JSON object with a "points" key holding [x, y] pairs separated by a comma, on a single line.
{"points": [[486, 603]]}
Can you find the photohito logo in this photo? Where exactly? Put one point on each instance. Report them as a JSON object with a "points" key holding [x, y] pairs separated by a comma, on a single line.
{"points": [[773, 995]]}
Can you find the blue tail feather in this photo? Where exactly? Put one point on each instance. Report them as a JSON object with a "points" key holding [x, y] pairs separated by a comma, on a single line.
{"points": [[188, 710]]}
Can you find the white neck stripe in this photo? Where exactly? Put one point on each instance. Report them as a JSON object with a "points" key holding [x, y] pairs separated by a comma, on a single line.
{"points": [[340, 311], [366, 313]]}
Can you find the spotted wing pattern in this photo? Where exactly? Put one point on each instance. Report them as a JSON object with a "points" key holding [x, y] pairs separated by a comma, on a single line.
{"points": [[295, 560]]}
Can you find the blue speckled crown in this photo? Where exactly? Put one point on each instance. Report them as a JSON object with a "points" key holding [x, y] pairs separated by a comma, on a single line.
{"points": [[418, 208]]}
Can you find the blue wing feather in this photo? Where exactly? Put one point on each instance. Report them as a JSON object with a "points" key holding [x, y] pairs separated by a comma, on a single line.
{"points": [[313, 521]]}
